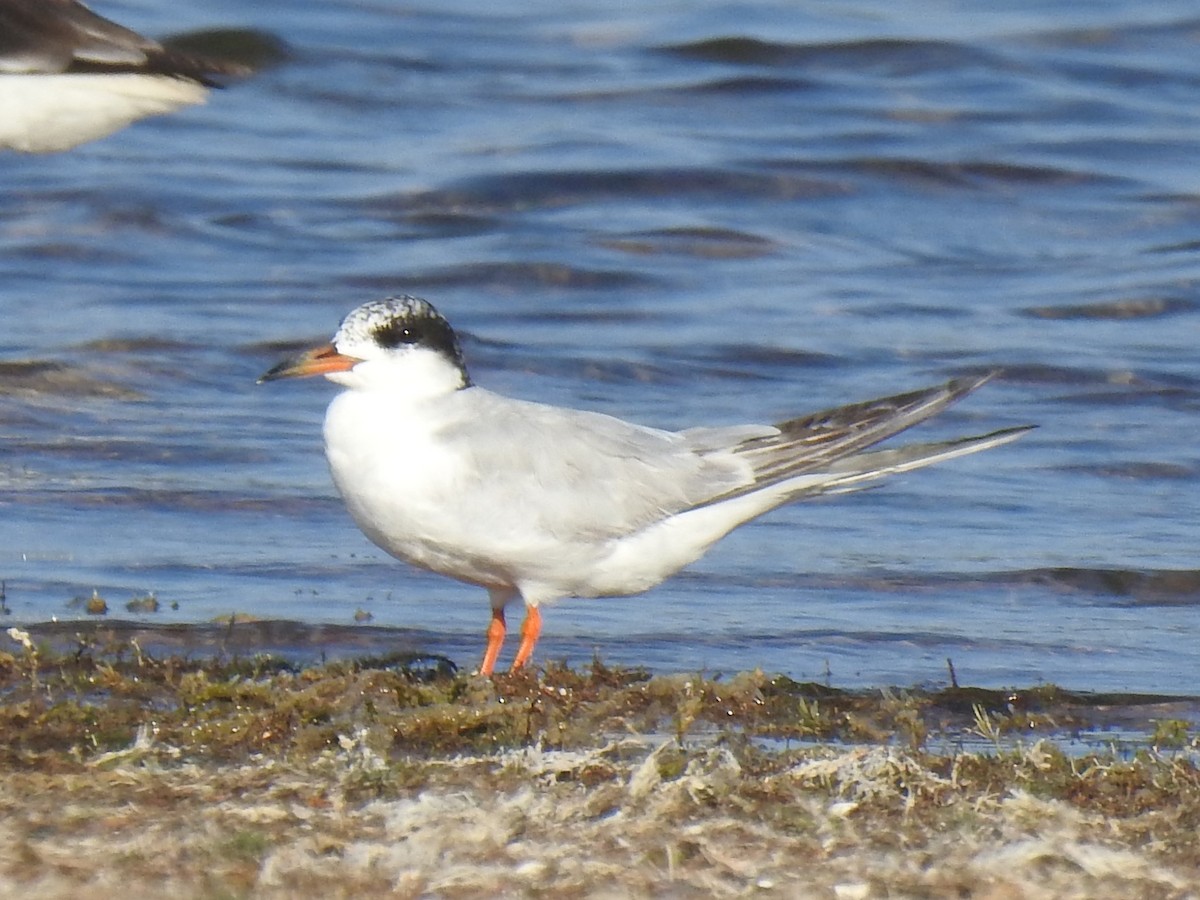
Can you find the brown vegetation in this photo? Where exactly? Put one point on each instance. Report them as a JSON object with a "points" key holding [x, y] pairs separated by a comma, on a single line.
{"points": [[131, 774]]}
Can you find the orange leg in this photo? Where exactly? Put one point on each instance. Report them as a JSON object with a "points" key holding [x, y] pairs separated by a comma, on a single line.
{"points": [[531, 630], [495, 640]]}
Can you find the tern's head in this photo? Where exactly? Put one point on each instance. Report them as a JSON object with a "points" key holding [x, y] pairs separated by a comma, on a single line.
{"points": [[401, 343]]}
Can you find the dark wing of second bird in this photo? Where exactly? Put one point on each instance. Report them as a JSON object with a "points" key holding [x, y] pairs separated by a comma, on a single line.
{"points": [[57, 36]]}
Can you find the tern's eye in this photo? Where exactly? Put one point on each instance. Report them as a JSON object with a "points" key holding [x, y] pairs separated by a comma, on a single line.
{"points": [[394, 334]]}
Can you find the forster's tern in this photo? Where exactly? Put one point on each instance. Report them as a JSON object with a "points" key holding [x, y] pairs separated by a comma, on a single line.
{"points": [[68, 76], [542, 502]]}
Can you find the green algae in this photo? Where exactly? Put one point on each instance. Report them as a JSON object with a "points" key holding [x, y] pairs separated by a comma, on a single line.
{"points": [[80, 703]]}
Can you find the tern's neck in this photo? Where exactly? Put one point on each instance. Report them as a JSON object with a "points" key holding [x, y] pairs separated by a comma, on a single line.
{"points": [[412, 377]]}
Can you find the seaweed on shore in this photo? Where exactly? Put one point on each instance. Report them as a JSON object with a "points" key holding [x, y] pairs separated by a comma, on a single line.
{"points": [[253, 775], [72, 705]]}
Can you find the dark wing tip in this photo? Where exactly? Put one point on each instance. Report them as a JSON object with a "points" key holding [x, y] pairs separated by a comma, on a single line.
{"points": [[225, 52], [966, 384]]}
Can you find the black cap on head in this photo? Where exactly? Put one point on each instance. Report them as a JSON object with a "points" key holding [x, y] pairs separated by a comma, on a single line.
{"points": [[398, 321]]}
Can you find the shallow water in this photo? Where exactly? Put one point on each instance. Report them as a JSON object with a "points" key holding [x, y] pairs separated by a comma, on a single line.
{"points": [[677, 213]]}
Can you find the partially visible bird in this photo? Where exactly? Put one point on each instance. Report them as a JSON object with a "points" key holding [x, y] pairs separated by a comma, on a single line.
{"points": [[68, 76], [543, 502]]}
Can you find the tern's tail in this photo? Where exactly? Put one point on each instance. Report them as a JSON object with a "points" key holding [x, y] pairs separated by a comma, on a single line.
{"points": [[850, 473], [826, 453]]}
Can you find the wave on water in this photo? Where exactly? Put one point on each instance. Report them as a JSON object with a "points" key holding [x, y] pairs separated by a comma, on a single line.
{"points": [[887, 56], [1142, 587]]}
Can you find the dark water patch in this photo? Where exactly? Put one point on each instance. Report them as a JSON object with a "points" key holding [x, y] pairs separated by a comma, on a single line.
{"points": [[1098, 387], [1163, 77], [1129, 61], [1106, 37], [750, 86], [1163, 587], [608, 371], [508, 276], [1038, 176], [969, 174], [255, 224], [424, 216], [1148, 587], [880, 56], [1189, 246], [37, 378], [830, 638], [1138, 391], [700, 242], [175, 451], [765, 359], [739, 51], [138, 344], [69, 252], [1066, 376], [1101, 709], [138, 216], [525, 191], [910, 311], [22, 415], [1131, 308], [1138, 471], [159, 499], [444, 224]]}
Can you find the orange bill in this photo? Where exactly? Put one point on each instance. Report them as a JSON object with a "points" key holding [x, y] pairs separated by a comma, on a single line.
{"points": [[318, 361]]}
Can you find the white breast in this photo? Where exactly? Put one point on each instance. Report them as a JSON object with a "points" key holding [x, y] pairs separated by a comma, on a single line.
{"points": [[393, 476]]}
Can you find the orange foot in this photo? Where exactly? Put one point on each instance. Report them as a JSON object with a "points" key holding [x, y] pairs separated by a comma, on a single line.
{"points": [[531, 630]]}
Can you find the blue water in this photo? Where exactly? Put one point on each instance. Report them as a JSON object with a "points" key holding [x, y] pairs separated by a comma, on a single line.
{"points": [[680, 213]]}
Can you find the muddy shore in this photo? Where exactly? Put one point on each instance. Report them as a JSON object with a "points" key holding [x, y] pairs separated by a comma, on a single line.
{"points": [[134, 772]]}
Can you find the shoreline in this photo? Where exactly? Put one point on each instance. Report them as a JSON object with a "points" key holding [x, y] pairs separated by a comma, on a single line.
{"points": [[129, 772]]}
